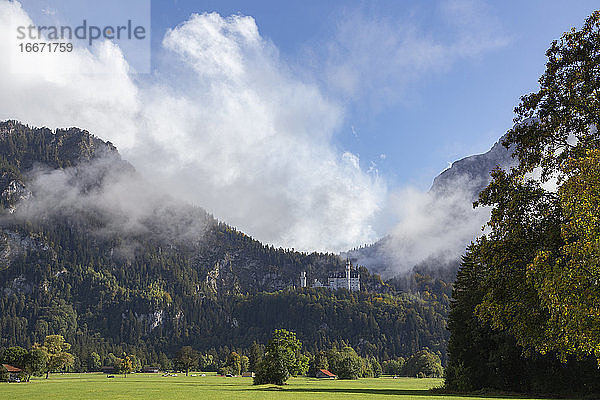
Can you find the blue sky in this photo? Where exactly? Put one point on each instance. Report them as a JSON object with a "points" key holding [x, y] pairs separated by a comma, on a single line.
{"points": [[317, 125], [445, 113]]}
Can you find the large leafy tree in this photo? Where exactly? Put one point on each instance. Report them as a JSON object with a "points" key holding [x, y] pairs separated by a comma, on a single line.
{"points": [[544, 242], [528, 290], [423, 363], [559, 122], [32, 362], [94, 362], [186, 358], [14, 356], [482, 357], [281, 360], [524, 221], [393, 367], [319, 361], [568, 278], [244, 363], [345, 363], [377, 370], [233, 364], [124, 365], [58, 357], [35, 363]]}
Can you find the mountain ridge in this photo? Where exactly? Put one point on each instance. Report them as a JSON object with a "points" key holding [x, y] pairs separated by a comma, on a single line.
{"points": [[90, 251], [476, 168], [451, 194]]}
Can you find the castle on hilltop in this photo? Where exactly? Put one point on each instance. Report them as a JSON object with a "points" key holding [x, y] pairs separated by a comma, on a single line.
{"points": [[350, 279]]}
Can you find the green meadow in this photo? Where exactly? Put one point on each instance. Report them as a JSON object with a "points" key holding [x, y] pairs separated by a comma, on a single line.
{"points": [[156, 387]]}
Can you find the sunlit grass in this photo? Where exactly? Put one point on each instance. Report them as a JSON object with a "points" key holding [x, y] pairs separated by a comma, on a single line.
{"points": [[156, 387]]}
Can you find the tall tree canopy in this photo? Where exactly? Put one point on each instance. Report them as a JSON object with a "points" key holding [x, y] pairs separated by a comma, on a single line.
{"points": [[186, 358], [537, 276], [344, 363], [281, 360], [56, 349], [553, 233]]}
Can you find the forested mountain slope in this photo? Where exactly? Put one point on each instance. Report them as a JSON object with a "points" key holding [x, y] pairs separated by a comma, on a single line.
{"points": [[92, 251]]}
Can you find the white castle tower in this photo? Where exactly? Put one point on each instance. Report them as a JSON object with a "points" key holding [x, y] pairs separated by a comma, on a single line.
{"points": [[348, 279], [303, 279], [348, 269]]}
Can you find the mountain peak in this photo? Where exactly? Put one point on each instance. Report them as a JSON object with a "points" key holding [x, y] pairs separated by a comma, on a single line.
{"points": [[441, 222], [473, 171], [22, 146]]}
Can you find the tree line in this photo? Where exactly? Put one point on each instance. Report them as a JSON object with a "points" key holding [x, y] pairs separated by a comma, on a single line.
{"points": [[51, 356], [282, 357]]}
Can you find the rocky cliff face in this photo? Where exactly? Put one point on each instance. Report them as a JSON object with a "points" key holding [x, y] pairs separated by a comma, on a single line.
{"points": [[24, 150], [473, 171], [447, 221]]}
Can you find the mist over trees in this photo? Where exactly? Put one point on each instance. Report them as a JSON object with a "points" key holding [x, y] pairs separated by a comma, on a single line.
{"points": [[170, 275]]}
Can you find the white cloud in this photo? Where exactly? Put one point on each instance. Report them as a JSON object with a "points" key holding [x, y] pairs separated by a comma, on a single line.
{"points": [[377, 57], [222, 124], [433, 226], [476, 30], [107, 189], [92, 91], [225, 124], [49, 11]]}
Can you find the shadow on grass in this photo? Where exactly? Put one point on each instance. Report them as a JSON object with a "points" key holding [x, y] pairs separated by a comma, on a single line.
{"points": [[391, 392]]}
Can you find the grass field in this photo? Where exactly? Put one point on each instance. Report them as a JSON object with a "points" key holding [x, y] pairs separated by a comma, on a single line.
{"points": [[156, 387]]}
